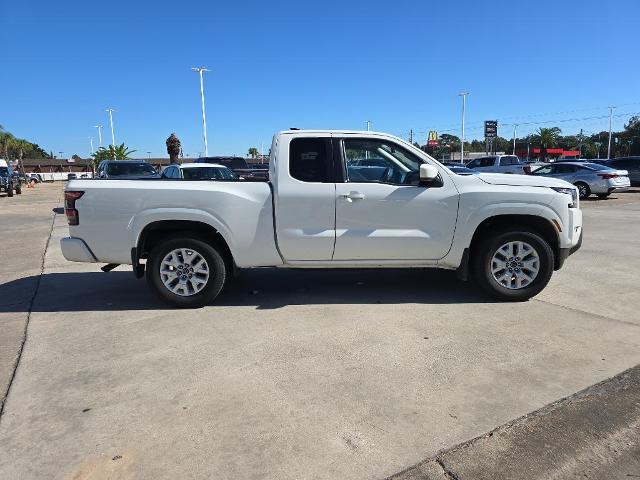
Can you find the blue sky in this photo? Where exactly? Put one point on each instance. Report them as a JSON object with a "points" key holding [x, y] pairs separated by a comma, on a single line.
{"points": [[326, 64]]}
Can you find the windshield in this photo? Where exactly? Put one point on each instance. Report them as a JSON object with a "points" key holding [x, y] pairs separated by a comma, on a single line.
{"points": [[133, 169], [208, 173]]}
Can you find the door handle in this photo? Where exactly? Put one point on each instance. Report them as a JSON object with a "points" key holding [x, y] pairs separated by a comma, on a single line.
{"points": [[351, 196]]}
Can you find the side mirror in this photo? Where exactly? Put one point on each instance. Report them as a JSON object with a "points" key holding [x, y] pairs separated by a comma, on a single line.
{"points": [[428, 173]]}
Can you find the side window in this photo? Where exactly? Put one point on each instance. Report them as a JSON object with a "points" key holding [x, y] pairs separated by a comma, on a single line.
{"points": [[379, 161], [487, 161], [505, 161], [474, 163], [309, 160], [546, 170], [565, 168]]}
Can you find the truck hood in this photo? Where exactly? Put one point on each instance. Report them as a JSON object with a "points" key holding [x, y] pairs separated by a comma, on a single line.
{"points": [[522, 180]]}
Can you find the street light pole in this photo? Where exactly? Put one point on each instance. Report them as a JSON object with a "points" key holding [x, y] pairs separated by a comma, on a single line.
{"points": [[610, 120], [200, 71], [91, 140], [368, 122], [464, 106], [515, 129], [99, 127]]}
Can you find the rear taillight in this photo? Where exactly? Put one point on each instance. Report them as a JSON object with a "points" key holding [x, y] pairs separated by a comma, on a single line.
{"points": [[607, 176], [70, 207]]}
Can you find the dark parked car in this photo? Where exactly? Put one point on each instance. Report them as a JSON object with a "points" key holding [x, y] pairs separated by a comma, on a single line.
{"points": [[126, 170], [9, 182], [72, 176], [630, 164]]}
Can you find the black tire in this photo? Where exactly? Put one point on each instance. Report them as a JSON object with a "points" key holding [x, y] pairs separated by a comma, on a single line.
{"points": [[603, 196], [482, 264], [19, 190], [217, 272], [10, 191], [583, 190]]}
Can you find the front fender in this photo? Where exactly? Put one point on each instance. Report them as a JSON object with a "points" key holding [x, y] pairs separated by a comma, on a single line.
{"points": [[469, 220]]}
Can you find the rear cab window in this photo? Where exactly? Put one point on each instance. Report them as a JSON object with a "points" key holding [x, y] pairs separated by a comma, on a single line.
{"points": [[309, 160]]}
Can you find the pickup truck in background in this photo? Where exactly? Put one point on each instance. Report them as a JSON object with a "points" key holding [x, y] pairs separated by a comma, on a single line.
{"points": [[334, 199], [499, 164]]}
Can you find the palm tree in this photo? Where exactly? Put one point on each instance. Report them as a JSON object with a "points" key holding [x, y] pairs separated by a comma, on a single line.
{"points": [[173, 148], [118, 152], [253, 152], [547, 138]]}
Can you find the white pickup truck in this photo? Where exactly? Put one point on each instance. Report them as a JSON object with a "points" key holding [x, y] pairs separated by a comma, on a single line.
{"points": [[499, 164], [334, 199]]}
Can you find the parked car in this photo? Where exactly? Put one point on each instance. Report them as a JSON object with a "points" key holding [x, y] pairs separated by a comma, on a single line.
{"points": [[71, 176], [460, 169], [126, 170], [499, 164], [9, 182], [199, 171], [590, 178], [630, 164], [509, 231], [36, 177]]}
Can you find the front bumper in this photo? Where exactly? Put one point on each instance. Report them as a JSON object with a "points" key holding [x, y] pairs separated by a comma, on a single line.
{"points": [[564, 253], [75, 250]]}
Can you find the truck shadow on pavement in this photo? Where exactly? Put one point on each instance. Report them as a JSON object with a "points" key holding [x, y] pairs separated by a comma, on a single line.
{"points": [[265, 288]]}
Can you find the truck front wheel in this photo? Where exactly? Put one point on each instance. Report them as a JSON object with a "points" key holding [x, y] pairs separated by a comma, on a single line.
{"points": [[513, 265], [185, 272]]}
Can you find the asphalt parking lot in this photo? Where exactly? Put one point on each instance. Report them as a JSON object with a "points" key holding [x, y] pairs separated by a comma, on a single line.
{"points": [[292, 374]]}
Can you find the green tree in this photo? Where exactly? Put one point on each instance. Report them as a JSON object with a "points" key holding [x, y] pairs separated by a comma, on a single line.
{"points": [[546, 138], [253, 152], [117, 152]]}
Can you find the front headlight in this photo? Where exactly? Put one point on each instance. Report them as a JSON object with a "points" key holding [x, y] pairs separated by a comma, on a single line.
{"points": [[573, 192]]}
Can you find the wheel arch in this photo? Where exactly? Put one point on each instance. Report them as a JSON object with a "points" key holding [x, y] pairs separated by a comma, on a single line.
{"points": [[156, 231], [538, 224]]}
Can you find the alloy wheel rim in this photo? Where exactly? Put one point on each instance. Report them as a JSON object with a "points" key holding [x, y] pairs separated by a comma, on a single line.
{"points": [[184, 272], [515, 265]]}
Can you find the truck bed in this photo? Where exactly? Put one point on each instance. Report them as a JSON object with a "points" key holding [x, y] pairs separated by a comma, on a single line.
{"points": [[242, 212]]}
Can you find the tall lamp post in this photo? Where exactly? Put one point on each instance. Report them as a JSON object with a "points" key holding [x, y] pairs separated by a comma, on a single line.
{"points": [[515, 130], [200, 71], [464, 106], [368, 122], [99, 127], [91, 140]]}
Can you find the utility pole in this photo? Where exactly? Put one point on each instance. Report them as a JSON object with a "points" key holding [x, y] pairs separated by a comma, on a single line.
{"points": [[368, 122], [580, 143], [610, 120], [515, 129], [411, 136], [99, 127], [464, 106], [200, 71]]}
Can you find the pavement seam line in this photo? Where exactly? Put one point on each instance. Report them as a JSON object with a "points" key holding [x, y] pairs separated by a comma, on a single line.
{"points": [[26, 323], [577, 310], [447, 473]]}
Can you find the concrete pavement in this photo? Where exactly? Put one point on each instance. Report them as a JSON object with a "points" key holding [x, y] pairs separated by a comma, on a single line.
{"points": [[26, 222], [304, 374]]}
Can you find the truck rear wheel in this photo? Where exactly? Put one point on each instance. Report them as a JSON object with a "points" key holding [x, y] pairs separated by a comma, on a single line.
{"points": [[513, 265], [186, 272], [10, 191]]}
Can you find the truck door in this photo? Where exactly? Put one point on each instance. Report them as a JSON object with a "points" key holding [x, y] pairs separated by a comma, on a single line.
{"points": [[383, 213], [305, 197]]}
